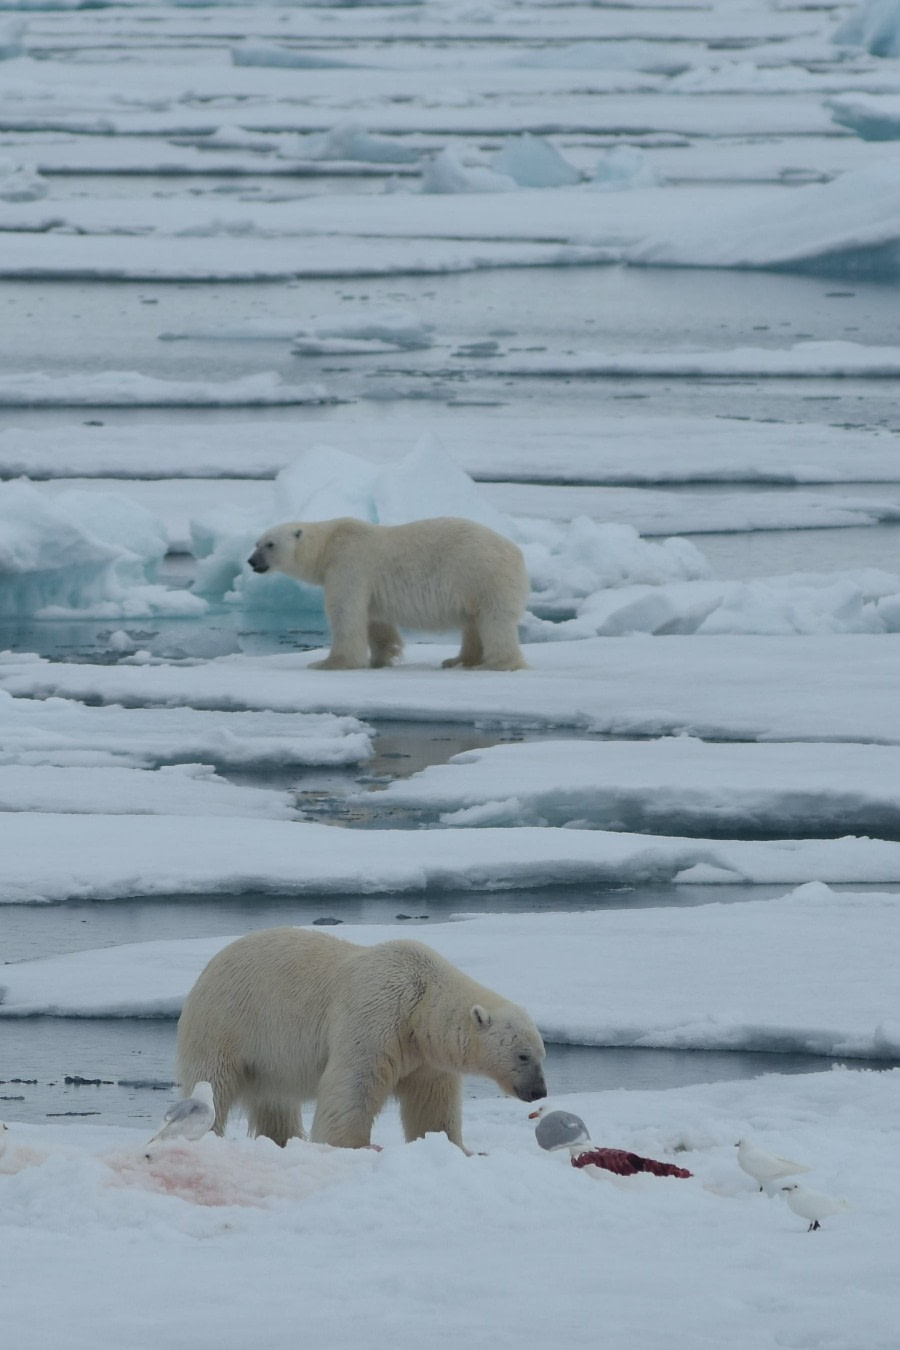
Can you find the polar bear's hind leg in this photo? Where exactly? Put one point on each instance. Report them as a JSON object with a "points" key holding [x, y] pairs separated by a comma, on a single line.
{"points": [[471, 652], [385, 643], [500, 642]]}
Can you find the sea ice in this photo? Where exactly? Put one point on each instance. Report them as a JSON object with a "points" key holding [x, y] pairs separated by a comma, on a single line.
{"points": [[453, 170], [11, 31], [49, 858], [624, 166], [129, 388], [675, 786], [628, 981], [723, 688], [84, 553], [874, 117], [349, 140], [20, 183], [61, 732], [638, 450], [874, 25], [213, 1215], [531, 161], [176, 790], [381, 330]]}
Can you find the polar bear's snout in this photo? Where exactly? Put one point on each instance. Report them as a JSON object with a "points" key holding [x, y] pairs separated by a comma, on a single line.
{"points": [[258, 561], [533, 1090]]}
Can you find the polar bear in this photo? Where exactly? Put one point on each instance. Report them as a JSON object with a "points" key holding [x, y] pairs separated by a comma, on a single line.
{"points": [[433, 574], [285, 1015]]}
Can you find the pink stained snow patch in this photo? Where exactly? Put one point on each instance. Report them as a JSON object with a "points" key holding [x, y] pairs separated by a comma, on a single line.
{"points": [[219, 1172], [18, 1158]]}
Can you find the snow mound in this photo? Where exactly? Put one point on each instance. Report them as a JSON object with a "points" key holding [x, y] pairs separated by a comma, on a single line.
{"points": [[875, 26], [873, 117], [251, 53], [452, 170], [20, 182], [11, 31], [571, 561], [624, 166], [382, 330], [531, 161], [348, 141], [82, 553], [866, 601]]}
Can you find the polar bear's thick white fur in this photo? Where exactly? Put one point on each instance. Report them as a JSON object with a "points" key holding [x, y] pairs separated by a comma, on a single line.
{"points": [[431, 574], [284, 1015]]}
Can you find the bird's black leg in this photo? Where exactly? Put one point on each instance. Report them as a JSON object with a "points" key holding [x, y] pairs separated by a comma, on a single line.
{"points": [[813, 1226]]}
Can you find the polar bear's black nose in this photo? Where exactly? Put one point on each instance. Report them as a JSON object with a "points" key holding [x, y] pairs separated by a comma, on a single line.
{"points": [[257, 562]]}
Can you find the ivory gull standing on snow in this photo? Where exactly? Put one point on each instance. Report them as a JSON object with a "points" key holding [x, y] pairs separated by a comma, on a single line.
{"points": [[762, 1166], [563, 1129], [812, 1205], [190, 1118]]}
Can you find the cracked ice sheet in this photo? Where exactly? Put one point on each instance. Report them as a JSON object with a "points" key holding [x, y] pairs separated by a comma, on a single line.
{"points": [[680, 785], [624, 981], [617, 450], [170, 1253], [46, 858], [60, 732], [820, 687], [175, 790]]}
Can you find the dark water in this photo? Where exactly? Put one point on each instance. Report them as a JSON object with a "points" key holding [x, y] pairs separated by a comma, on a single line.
{"points": [[120, 1072], [560, 309]]}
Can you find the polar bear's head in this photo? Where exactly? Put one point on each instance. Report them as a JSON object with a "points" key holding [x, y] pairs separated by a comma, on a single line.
{"points": [[276, 550], [510, 1050]]}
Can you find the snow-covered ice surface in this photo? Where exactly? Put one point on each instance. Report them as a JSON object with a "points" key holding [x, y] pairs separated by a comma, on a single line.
{"points": [[52, 858], [175, 790], [620, 282], [68, 733], [724, 687], [689, 784], [171, 1243]]}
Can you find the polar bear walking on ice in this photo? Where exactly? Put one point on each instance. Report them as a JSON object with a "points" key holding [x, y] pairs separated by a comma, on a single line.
{"points": [[430, 574], [284, 1016]]}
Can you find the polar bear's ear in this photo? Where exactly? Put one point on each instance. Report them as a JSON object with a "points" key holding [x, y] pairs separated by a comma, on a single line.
{"points": [[481, 1017]]}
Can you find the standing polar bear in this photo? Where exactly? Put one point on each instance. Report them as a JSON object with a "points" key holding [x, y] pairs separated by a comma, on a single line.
{"points": [[284, 1015], [431, 574]]}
